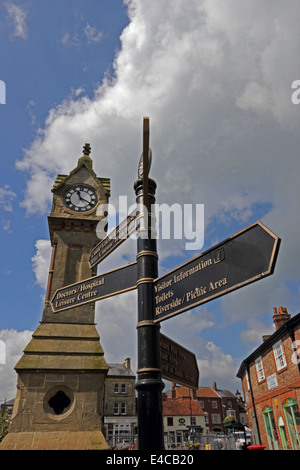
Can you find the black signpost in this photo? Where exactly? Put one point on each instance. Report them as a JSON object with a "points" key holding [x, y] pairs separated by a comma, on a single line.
{"points": [[244, 258], [149, 384]]}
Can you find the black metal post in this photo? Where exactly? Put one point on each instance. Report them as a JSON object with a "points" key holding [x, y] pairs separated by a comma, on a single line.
{"points": [[149, 385]]}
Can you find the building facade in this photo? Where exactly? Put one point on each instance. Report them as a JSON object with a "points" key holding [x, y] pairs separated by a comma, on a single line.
{"points": [[216, 404], [183, 419], [120, 417], [271, 385]]}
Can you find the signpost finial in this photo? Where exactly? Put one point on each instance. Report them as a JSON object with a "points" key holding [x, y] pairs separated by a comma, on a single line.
{"points": [[146, 132]]}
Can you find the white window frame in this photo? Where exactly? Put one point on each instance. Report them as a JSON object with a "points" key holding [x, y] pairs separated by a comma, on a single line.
{"points": [[123, 408], [279, 355], [216, 419], [116, 408], [247, 380], [259, 369]]}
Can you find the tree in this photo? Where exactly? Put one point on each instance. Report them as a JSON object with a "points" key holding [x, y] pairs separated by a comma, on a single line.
{"points": [[4, 424], [229, 420]]}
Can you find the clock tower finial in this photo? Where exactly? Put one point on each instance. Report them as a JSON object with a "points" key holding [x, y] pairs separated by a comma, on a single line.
{"points": [[86, 158]]}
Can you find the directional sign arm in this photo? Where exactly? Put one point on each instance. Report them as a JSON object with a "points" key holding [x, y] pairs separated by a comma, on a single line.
{"points": [[115, 238], [244, 258], [178, 364], [95, 288]]}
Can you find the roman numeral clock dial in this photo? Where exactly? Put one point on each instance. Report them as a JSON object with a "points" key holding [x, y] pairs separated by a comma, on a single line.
{"points": [[80, 198]]}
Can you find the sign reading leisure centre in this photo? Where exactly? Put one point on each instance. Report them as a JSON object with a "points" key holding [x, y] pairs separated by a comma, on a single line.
{"points": [[95, 288], [240, 260]]}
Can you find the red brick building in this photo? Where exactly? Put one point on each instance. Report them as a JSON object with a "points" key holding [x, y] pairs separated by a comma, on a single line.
{"points": [[271, 385], [215, 403]]}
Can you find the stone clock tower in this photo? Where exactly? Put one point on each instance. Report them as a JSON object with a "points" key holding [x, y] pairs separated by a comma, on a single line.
{"points": [[61, 374]]}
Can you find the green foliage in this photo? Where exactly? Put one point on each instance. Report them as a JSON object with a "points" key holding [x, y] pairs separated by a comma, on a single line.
{"points": [[229, 420], [4, 424]]}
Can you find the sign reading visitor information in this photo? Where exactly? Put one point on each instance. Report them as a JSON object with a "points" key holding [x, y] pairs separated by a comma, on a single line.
{"points": [[240, 260]]}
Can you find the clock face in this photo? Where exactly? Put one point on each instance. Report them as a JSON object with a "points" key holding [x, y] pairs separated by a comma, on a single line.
{"points": [[80, 198]]}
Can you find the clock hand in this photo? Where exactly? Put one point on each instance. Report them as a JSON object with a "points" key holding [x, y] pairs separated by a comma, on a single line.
{"points": [[85, 200], [81, 198]]}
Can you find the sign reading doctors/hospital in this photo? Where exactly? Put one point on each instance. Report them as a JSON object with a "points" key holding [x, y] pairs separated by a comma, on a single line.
{"points": [[240, 260], [95, 288]]}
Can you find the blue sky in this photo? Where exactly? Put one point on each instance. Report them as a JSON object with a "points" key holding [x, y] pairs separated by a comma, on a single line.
{"points": [[215, 79]]}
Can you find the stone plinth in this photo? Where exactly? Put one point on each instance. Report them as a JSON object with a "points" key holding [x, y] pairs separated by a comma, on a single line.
{"points": [[56, 440], [60, 390]]}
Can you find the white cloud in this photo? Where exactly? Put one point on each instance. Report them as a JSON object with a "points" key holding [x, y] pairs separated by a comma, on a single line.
{"points": [[7, 196], [215, 79], [177, 67], [41, 261], [116, 320], [82, 34], [15, 342], [6, 225], [69, 40], [18, 17], [215, 365], [93, 35], [253, 336]]}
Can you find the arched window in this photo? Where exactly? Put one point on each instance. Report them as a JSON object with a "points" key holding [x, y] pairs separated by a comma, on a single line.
{"points": [[271, 428], [123, 388], [292, 417], [117, 388], [282, 433]]}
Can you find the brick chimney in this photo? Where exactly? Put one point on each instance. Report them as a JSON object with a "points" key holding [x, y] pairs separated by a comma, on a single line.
{"points": [[127, 363], [214, 385], [266, 337], [280, 317]]}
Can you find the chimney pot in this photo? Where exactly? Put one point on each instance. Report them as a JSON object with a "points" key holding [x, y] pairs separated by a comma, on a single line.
{"points": [[281, 317]]}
